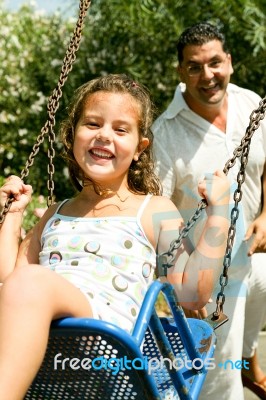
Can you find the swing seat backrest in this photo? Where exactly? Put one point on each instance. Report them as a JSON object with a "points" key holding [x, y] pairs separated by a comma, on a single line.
{"points": [[91, 359]]}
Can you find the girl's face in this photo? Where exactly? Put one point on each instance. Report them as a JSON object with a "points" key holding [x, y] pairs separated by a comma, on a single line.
{"points": [[107, 137]]}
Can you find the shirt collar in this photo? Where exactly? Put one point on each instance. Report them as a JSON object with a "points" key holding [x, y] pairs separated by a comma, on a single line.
{"points": [[178, 103]]}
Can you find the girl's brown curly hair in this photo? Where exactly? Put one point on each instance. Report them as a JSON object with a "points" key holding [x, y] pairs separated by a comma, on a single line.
{"points": [[141, 176]]}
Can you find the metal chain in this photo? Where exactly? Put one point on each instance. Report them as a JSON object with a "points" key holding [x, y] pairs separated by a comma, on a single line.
{"points": [[52, 107], [166, 260], [243, 151]]}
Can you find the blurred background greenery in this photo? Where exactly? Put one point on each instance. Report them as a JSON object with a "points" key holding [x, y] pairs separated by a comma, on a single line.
{"points": [[137, 38]]}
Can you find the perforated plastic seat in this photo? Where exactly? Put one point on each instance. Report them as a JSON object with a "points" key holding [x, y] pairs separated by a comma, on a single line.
{"points": [[84, 356]]}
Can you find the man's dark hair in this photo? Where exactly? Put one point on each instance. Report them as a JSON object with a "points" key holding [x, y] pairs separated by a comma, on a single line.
{"points": [[199, 34]]}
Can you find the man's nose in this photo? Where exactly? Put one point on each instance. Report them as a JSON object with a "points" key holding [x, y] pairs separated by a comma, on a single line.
{"points": [[206, 71]]}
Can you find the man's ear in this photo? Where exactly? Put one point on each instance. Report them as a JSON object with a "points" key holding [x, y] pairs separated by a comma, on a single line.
{"points": [[180, 73], [143, 144], [230, 63]]}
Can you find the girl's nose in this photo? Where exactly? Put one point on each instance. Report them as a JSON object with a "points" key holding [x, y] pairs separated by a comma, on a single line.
{"points": [[104, 135]]}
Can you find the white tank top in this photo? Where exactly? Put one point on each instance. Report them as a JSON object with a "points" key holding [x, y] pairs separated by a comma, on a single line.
{"points": [[109, 258]]}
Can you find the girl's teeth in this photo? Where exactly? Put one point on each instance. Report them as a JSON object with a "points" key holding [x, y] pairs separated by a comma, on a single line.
{"points": [[102, 154]]}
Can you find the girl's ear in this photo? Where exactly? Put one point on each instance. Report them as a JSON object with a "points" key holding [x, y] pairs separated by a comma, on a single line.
{"points": [[143, 143]]}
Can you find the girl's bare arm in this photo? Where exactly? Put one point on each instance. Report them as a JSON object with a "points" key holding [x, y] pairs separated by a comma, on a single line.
{"points": [[196, 268], [10, 232]]}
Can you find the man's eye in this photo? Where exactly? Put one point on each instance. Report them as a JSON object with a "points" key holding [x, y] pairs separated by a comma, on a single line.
{"points": [[194, 68], [215, 64]]}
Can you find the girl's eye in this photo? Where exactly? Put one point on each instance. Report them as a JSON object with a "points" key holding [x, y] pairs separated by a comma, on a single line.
{"points": [[121, 131], [92, 125]]}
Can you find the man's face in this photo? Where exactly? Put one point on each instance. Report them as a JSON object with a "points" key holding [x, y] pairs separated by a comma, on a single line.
{"points": [[206, 71]]}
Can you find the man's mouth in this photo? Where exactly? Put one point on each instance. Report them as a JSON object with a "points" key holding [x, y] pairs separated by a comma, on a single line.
{"points": [[210, 88]]}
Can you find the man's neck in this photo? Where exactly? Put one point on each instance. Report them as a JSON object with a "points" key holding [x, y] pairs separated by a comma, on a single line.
{"points": [[216, 114]]}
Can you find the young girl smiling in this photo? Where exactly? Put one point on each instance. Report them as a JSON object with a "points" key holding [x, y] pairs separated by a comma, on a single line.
{"points": [[95, 255]]}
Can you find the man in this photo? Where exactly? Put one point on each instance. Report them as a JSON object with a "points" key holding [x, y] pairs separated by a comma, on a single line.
{"points": [[197, 134]]}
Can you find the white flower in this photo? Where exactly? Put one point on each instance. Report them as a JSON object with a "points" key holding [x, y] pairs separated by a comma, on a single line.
{"points": [[55, 63], [66, 172], [7, 170], [23, 141], [12, 80], [4, 117], [35, 108], [22, 132], [161, 86], [5, 31], [15, 41]]}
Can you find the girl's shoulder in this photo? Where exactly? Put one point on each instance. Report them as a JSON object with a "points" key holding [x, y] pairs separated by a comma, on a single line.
{"points": [[162, 203], [160, 214], [51, 211], [45, 218], [162, 208]]}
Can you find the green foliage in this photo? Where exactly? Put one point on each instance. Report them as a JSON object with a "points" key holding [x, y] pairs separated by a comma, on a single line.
{"points": [[142, 44], [140, 37], [137, 38]]}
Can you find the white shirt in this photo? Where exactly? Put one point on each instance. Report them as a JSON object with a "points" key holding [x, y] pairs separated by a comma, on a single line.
{"points": [[187, 146]]}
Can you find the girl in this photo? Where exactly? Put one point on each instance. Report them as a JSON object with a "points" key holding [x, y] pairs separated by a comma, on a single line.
{"points": [[102, 243]]}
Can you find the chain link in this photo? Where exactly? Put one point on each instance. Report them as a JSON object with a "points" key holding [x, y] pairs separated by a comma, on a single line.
{"points": [[166, 260]]}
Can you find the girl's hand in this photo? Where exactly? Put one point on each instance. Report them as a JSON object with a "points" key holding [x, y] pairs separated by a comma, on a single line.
{"points": [[16, 189], [215, 188]]}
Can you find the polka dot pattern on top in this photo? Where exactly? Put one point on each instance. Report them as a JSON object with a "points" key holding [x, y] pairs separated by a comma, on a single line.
{"points": [[109, 259]]}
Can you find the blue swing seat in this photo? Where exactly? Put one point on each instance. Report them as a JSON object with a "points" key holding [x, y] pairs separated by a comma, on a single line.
{"points": [[93, 359]]}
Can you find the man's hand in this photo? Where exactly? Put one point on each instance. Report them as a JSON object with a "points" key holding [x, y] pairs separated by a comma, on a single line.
{"points": [[258, 229]]}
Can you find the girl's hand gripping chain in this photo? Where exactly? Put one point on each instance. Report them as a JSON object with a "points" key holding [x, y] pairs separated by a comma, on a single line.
{"points": [[215, 189], [10, 230], [16, 189]]}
